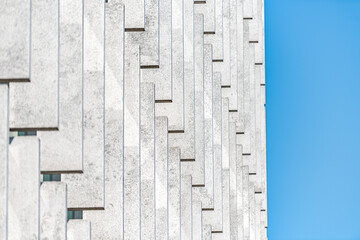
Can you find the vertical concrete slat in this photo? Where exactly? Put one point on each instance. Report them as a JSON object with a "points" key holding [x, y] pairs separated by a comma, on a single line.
{"points": [[161, 177], [240, 66], [148, 38], [233, 182], [132, 202], [35, 105], [208, 10], [15, 22], [135, 15], [174, 193], [252, 209], [108, 223], [244, 138], [213, 217], [4, 158], [216, 39], [248, 9], [78, 229], [225, 233], [225, 134], [174, 110], [246, 201], [197, 220], [196, 168], [162, 76], [147, 143], [240, 206], [224, 66], [86, 190], [259, 186], [24, 188], [61, 151], [263, 150], [206, 193], [207, 232], [252, 114], [186, 207], [186, 139], [233, 91], [53, 210], [258, 226]]}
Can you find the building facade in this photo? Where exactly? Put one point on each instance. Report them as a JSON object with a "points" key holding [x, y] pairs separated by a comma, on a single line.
{"points": [[132, 119]]}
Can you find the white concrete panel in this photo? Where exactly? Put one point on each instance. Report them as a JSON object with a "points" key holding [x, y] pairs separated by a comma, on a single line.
{"points": [[240, 66], [258, 225], [233, 181], [207, 232], [259, 50], [186, 139], [162, 76], [232, 91], [216, 39], [161, 177], [197, 220], [4, 158], [186, 207], [248, 9], [208, 10], [147, 143], [15, 22], [61, 151], [132, 142], [240, 206], [252, 113], [53, 210], [108, 223], [149, 38], [196, 168], [263, 218], [259, 186], [224, 66], [246, 201], [244, 138], [225, 234], [252, 208], [174, 193], [78, 229], [174, 110], [263, 151], [253, 31], [24, 188], [86, 191], [225, 134], [206, 193], [35, 105], [213, 216], [134, 14]]}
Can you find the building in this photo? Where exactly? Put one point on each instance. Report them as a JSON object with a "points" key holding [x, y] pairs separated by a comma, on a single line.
{"points": [[132, 119]]}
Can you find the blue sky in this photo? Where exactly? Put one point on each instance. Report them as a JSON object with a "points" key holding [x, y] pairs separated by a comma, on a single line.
{"points": [[313, 119]]}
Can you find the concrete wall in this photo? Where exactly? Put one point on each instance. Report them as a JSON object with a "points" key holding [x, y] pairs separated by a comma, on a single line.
{"points": [[152, 111]]}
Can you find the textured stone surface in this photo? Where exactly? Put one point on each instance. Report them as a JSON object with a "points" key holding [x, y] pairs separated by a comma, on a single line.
{"points": [[107, 223], [86, 190], [24, 188], [4, 157], [35, 104], [153, 112], [62, 151], [53, 210], [15, 40], [78, 230]]}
